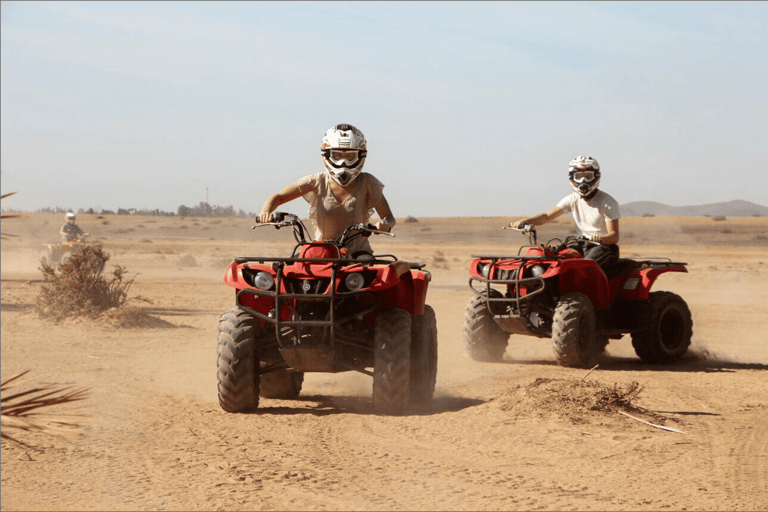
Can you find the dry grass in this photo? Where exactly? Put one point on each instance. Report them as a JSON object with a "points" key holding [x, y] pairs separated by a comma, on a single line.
{"points": [[29, 411], [80, 290], [576, 400]]}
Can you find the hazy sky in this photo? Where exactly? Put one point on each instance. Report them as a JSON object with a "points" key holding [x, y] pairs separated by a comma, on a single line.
{"points": [[469, 108]]}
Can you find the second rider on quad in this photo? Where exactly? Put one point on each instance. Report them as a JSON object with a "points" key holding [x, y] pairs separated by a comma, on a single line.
{"points": [[595, 212], [577, 292]]}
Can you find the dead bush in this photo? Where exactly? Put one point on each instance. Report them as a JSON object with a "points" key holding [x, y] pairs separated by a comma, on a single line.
{"points": [[576, 400], [80, 289], [188, 261]]}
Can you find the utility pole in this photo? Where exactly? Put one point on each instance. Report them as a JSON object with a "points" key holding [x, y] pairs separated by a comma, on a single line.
{"points": [[206, 195]]}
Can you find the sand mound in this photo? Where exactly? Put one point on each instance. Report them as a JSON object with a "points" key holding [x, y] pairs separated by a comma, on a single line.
{"points": [[574, 400], [131, 317]]}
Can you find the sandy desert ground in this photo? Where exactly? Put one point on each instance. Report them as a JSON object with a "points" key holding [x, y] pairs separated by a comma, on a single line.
{"points": [[157, 439]]}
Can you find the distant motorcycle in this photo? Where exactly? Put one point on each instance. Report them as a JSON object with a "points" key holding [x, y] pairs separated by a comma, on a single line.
{"points": [[56, 255]]}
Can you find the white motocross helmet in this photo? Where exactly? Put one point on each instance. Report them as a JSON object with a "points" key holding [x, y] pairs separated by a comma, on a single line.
{"points": [[70, 217], [584, 174], [343, 152]]}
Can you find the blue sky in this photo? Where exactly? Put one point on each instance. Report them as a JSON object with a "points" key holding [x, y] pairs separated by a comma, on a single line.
{"points": [[469, 108]]}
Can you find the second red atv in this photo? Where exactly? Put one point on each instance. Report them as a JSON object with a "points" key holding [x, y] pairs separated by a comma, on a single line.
{"points": [[55, 255], [320, 310], [551, 291]]}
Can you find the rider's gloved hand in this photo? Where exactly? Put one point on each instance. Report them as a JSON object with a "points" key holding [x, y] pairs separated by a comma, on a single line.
{"points": [[383, 225]]}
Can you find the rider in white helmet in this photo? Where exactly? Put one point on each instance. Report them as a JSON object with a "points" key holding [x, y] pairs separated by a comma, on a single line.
{"points": [[342, 195], [595, 212], [70, 231]]}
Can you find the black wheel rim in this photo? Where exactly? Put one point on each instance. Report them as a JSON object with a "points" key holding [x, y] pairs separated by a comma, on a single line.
{"points": [[671, 329]]}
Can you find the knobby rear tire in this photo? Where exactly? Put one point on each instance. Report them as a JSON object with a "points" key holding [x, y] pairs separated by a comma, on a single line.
{"points": [[669, 329]]}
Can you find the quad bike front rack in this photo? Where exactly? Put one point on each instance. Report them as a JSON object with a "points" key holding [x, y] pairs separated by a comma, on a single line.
{"points": [[333, 297]]}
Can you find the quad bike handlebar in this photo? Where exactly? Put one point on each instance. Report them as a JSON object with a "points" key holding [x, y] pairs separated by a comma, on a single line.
{"points": [[284, 219], [526, 228], [529, 229]]}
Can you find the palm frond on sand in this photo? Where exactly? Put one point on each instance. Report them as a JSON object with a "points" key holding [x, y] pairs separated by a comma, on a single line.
{"points": [[3, 236], [29, 411]]}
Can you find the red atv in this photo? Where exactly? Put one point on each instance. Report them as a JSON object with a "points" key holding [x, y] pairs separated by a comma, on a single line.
{"points": [[320, 310], [55, 255], [554, 292]]}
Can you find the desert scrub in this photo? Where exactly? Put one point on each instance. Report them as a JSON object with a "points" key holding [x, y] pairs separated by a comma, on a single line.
{"points": [[80, 288]]}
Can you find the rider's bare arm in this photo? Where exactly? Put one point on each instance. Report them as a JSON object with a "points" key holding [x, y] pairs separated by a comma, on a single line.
{"points": [[387, 221], [289, 193], [612, 236], [542, 218]]}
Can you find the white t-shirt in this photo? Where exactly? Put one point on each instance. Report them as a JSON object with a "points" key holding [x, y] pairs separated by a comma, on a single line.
{"points": [[591, 216]]}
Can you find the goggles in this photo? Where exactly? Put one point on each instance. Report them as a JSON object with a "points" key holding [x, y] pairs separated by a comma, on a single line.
{"points": [[582, 176], [341, 157]]}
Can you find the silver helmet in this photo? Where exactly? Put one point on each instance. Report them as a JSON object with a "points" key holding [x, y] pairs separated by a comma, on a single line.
{"points": [[343, 151], [584, 174]]}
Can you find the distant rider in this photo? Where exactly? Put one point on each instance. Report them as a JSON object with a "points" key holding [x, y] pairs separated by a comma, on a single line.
{"points": [[70, 231], [595, 212], [341, 196]]}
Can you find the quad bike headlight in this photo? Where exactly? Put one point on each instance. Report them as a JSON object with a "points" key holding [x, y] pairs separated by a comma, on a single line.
{"points": [[484, 270], [537, 270], [354, 281], [264, 280]]}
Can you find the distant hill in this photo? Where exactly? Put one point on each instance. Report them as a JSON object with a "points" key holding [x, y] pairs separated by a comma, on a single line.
{"points": [[736, 208]]}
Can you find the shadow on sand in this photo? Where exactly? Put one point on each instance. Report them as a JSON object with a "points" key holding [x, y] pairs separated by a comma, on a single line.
{"points": [[689, 363], [324, 405]]}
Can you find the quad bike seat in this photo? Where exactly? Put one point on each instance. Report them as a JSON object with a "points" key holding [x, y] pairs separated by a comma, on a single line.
{"points": [[621, 266]]}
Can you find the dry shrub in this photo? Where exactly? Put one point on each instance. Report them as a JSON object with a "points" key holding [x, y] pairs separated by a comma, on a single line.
{"points": [[81, 290], [576, 400], [29, 411], [439, 261], [188, 261]]}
